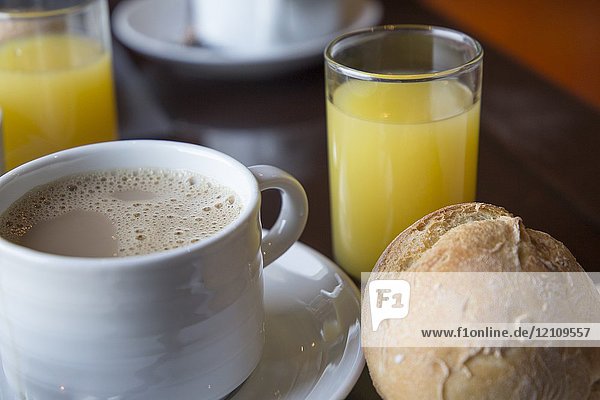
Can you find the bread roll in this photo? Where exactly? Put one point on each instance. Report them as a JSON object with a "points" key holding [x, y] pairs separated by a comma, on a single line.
{"points": [[478, 237]]}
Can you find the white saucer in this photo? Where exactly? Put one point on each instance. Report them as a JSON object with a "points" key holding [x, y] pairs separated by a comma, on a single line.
{"points": [[312, 349], [156, 28]]}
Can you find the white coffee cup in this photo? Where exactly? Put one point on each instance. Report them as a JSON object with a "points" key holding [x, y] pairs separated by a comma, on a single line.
{"points": [[255, 26], [165, 325]]}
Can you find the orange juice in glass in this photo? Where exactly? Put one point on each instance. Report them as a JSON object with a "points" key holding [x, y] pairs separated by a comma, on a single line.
{"points": [[56, 84], [403, 108]]}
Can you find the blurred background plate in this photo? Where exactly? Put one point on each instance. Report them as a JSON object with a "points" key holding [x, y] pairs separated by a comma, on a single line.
{"points": [[157, 29]]}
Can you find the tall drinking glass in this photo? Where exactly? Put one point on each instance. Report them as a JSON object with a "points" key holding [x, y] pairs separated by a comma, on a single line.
{"points": [[403, 125], [56, 84]]}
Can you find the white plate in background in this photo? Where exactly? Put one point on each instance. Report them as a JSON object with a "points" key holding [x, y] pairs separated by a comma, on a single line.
{"points": [[155, 28]]}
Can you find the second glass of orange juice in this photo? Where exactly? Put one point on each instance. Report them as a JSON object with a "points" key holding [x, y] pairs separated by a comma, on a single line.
{"points": [[56, 84], [403, 122]]}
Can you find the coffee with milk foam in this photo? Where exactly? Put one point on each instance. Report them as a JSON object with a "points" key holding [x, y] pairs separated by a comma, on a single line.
{"points": [[118, 213]]}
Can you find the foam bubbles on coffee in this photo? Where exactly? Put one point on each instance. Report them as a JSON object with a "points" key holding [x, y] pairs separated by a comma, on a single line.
{"points": [[149, 210]]}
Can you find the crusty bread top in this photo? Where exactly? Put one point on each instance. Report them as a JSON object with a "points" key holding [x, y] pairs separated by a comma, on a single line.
{"points": [[474, 237]]}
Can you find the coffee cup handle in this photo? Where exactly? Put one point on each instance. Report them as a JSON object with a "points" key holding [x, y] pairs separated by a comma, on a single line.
{"points": [[293, 214]]}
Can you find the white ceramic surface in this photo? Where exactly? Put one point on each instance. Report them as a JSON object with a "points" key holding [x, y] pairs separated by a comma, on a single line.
{"points": [[156, 28], [312, 315], [312, 349], [145, 327], [256, 25]]}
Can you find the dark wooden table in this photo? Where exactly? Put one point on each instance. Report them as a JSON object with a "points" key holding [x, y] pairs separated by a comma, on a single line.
{"points": [[539, 146]]}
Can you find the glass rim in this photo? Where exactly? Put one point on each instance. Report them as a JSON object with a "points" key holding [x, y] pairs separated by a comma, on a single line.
{"points": [[33, 13], [403, 77]]}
